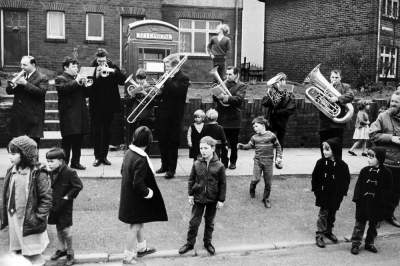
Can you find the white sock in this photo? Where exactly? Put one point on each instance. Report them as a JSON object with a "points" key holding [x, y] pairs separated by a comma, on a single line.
{"points": [[141, 246], [129, 254]]}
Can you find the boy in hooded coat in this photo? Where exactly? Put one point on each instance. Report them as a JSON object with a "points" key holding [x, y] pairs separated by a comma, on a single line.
{"points": [[373, 185], [330, 182]]}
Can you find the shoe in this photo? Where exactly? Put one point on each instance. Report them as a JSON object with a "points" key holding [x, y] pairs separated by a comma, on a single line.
{"points": [[331, 237], [267, 203], [58, 254], [393, 221], [355, 249], [185, 248], [78, 166], [130, 261], [352, 153], [145, 252], [210, 248], [161, 170], [169, 175], [232, 166], [371, 248], [106, 162], [364, 154], [70, 260], [96, 162], [319, 241]]}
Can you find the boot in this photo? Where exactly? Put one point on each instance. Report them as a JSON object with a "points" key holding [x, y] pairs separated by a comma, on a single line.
{"points": [[253, 189], [355, 249], [319, 241]]}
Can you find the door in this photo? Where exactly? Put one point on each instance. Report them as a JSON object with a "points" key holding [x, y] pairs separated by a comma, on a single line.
{"points": [[15, 36], [125, 21]]}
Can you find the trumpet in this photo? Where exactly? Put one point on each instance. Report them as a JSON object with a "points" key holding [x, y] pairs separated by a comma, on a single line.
{"points": [[13, 81], [84, 81], [154, 91], [105, 70], [219, 88]]}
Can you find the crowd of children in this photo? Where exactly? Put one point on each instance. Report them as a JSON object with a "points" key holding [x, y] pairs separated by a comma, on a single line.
{"points": [[33, 193]]}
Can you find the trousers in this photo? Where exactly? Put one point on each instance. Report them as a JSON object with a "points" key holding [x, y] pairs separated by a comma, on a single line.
{"points": [[326, 220], [232, 136], [359, 229], [209, 210], [74, 143]]}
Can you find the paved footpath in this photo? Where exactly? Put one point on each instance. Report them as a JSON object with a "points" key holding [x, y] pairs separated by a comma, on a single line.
{"points": [[297, 161]]}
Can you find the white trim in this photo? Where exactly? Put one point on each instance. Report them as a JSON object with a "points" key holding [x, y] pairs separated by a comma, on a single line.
{"points": [[2, 37], [93, 38], [385, 12], [387, 28], [120, 41], [151, 21], [387, 55], [27, 32], [205, 3], [61, 37]]}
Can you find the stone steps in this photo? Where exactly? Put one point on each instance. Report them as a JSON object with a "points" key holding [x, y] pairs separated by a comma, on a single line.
{"points": [[52, 135]]}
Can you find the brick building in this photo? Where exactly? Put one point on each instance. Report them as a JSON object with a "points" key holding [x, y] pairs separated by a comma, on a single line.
{"points": [[299, 34], [50, 30]]}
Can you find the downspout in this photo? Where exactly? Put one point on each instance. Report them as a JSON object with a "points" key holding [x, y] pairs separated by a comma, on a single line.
{"points": [[236, 31], [378, 41]]}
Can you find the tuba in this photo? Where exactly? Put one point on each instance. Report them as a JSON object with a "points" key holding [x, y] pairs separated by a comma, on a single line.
{"points": [[320, 92], [154, 91], [220, 87]]}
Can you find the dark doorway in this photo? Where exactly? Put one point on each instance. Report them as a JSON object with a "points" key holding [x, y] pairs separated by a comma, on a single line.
{"points": [[15, 36]]}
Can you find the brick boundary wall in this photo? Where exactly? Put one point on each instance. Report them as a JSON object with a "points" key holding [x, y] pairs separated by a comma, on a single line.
{"points": [[302, 129]]}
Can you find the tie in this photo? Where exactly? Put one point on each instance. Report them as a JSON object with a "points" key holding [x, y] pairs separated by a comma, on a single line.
{"points": [[11, 204]]}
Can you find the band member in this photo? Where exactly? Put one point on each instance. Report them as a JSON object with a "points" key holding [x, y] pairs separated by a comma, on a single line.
{"points": [[104, 101], [136, 95], [278, 113], [169, 116], [230, 113], [74, 115], [385, 132], [218, 48], [29, 90], [328, 128]]}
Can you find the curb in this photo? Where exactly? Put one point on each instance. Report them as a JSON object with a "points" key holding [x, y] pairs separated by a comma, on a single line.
{"points": [[173, 253]]}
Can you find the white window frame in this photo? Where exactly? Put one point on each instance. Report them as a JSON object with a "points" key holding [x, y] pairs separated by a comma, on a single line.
{"points": [[192, 30], [387, 56], [385, 11], [62, 37], [94, 38]]}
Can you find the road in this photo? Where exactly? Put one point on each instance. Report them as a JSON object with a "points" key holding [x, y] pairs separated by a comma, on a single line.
{"points": [[389, 255]]}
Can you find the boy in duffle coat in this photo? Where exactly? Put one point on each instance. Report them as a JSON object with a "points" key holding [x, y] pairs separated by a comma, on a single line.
{"points": [[207, 190], [66, 186]]}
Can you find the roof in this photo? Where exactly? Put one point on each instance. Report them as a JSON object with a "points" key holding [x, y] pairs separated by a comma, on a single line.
{"points": [[151, 21]]}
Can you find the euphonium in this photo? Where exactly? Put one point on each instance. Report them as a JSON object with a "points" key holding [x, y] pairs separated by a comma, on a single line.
{"points": [[220, 87], [154, 91], [320, 92], [273, 93], [15, 78]]}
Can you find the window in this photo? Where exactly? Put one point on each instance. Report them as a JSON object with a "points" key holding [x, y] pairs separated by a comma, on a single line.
{"points": [[194, 35], [55, 25], [390, 8], [388, 62], [94, 27]]}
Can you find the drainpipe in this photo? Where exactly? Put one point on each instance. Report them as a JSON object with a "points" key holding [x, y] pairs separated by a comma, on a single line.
{"points": [[378, 41], [236, 31]]}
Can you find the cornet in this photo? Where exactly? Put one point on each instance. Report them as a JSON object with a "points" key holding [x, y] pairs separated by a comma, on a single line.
{"points": [[105, 70], [16, 78], [85, 81]]}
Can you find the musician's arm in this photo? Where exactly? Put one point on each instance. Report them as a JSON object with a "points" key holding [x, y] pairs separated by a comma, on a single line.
{"points": [[120, 77], [287, 110], [209, 47], [237, 100], [11, 90], [65, 87], [346, 97], [37, 89]]}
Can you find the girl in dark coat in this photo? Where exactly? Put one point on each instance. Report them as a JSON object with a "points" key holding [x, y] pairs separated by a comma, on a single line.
{"points": [[141, 200], [195, 133], [373, 185], [66, 186], [26, 201], [330, 182]]}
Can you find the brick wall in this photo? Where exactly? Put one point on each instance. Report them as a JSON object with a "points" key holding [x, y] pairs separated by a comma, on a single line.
{"points": [[301, 34]]}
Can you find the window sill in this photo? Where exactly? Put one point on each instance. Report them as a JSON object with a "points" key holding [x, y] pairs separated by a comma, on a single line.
{"points": [[54, 40], [197, 55], [95, 41]]}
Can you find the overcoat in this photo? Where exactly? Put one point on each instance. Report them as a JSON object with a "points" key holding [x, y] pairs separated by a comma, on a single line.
{"points": [[137, 178], [38, 205], [64, 182], [278, 115], [27, 113], [73, 111]]}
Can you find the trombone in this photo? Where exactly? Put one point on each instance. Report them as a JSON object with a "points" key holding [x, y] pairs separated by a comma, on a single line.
{"points": [[154, 91]]}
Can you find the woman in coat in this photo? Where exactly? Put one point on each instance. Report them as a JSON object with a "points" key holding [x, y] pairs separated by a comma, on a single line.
{"points": [[141, 200]]}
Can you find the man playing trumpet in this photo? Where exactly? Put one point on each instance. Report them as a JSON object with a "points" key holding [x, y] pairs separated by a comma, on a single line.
{"points": [[104, 101], [74, 115], [29, 90]]}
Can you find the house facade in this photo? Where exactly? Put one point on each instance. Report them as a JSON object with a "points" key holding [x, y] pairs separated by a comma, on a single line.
{"points": [[51, 30], [299, 34]]}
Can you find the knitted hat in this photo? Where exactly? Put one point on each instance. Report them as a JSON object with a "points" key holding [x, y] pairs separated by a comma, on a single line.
{"points": [[27, 146], [380, 154]]}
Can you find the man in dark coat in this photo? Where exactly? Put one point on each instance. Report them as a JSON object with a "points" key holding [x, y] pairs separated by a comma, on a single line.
{"points": [[330, 181], [104, 101], [328, 128], [74, 116], [230, 113], [27, 115], [169, 116]]}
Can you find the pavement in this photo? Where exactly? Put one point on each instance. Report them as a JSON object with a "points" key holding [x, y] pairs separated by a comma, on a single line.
{"points": [[243, 225]]}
